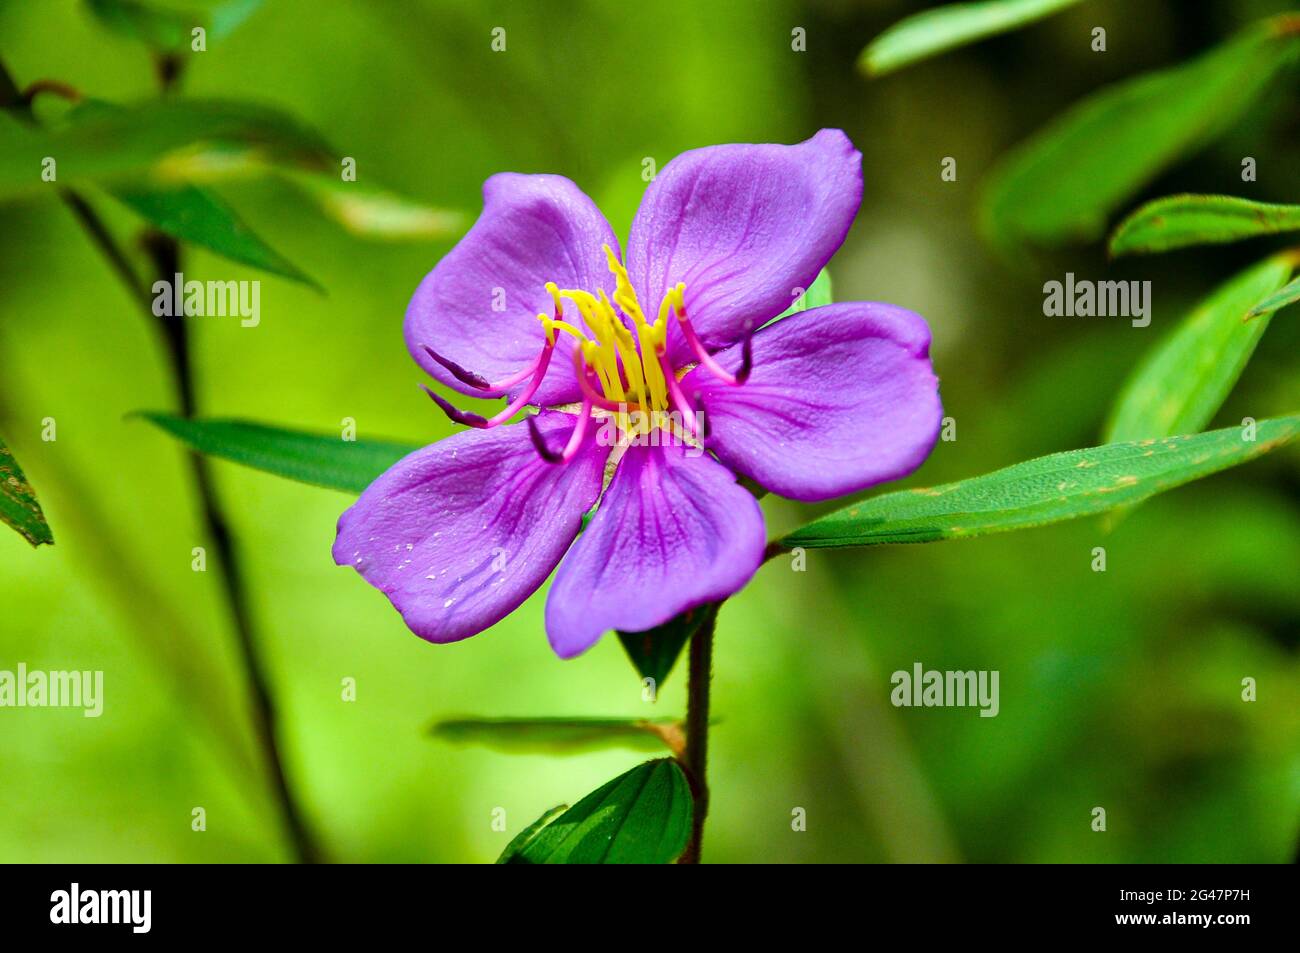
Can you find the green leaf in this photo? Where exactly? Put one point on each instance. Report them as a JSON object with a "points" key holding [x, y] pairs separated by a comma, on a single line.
{"points": [[158, 27], [135, 142], [641, 817], [1184, 380], [168, 30], [560, 735], [1066, 181], [524, 837], [197, 216], [1178, 221], [1275, 302], [225, 18], [320, 459], [655, 651], [18, 506], [1059, 487], [940, 29], [372, 212]]}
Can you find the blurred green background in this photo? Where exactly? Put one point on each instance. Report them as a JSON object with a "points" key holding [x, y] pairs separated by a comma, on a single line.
{"points": [[1118, 689]]}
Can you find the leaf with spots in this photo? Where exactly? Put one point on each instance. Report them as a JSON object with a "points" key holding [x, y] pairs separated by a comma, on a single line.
{"points": [[18, 506], [1062, 486]]}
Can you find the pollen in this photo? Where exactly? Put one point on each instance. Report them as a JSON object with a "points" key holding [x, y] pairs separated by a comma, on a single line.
{"points": [[627, 362]]}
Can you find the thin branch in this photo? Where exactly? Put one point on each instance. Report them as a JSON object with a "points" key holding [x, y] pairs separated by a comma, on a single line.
{"points": [[695, 758], [164, 252]]}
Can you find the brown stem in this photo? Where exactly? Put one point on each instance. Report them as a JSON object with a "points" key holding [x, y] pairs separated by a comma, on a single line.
{"points": [[57, 87]]}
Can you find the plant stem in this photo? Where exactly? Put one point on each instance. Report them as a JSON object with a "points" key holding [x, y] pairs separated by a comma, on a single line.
{"points": [[695, 758], [164, 251], [165, 254]]}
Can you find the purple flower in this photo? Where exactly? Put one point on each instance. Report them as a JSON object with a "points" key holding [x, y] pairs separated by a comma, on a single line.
{"points": [[639, 365]]}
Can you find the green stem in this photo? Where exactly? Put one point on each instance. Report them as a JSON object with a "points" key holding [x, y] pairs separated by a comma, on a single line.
{"points": [[695, 757]]}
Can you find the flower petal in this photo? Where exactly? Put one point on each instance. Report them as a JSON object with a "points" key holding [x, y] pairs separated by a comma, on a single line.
{"points": [[742, 226], [839, 398], [674, 531], [479, 305], [458, 534]]}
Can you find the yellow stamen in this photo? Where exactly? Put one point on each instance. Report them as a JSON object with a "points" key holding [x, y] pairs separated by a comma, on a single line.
{"points": [[626, 360], [549, 326]]}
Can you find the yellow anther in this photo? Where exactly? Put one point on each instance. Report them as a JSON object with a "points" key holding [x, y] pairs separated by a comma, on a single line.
{"points": [[549, 326], [624, 293], [554, 290], [664, 308], [625, 360], [569, 329]]}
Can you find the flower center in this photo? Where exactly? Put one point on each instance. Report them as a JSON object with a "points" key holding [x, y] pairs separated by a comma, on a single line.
{"points": [[637, 384], [629, 367]]}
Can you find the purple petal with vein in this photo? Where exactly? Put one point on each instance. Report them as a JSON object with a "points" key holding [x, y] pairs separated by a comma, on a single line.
{"points": [[478, 307], [840, 398], [673, 531], [458, 534], [742, 226]]}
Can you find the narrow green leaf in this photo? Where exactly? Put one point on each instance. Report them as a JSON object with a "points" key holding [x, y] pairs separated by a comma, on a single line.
{"points": [[197, 216], [655, 652], [524, 837], [940, 29], [1183, 381], [1059, 487], [18, 506], [133, 142], [559, 735], [1066, 181], [641, 817], [1178, 221], [320, 459], [372, 212], [194, 214], [1277, 301]]}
